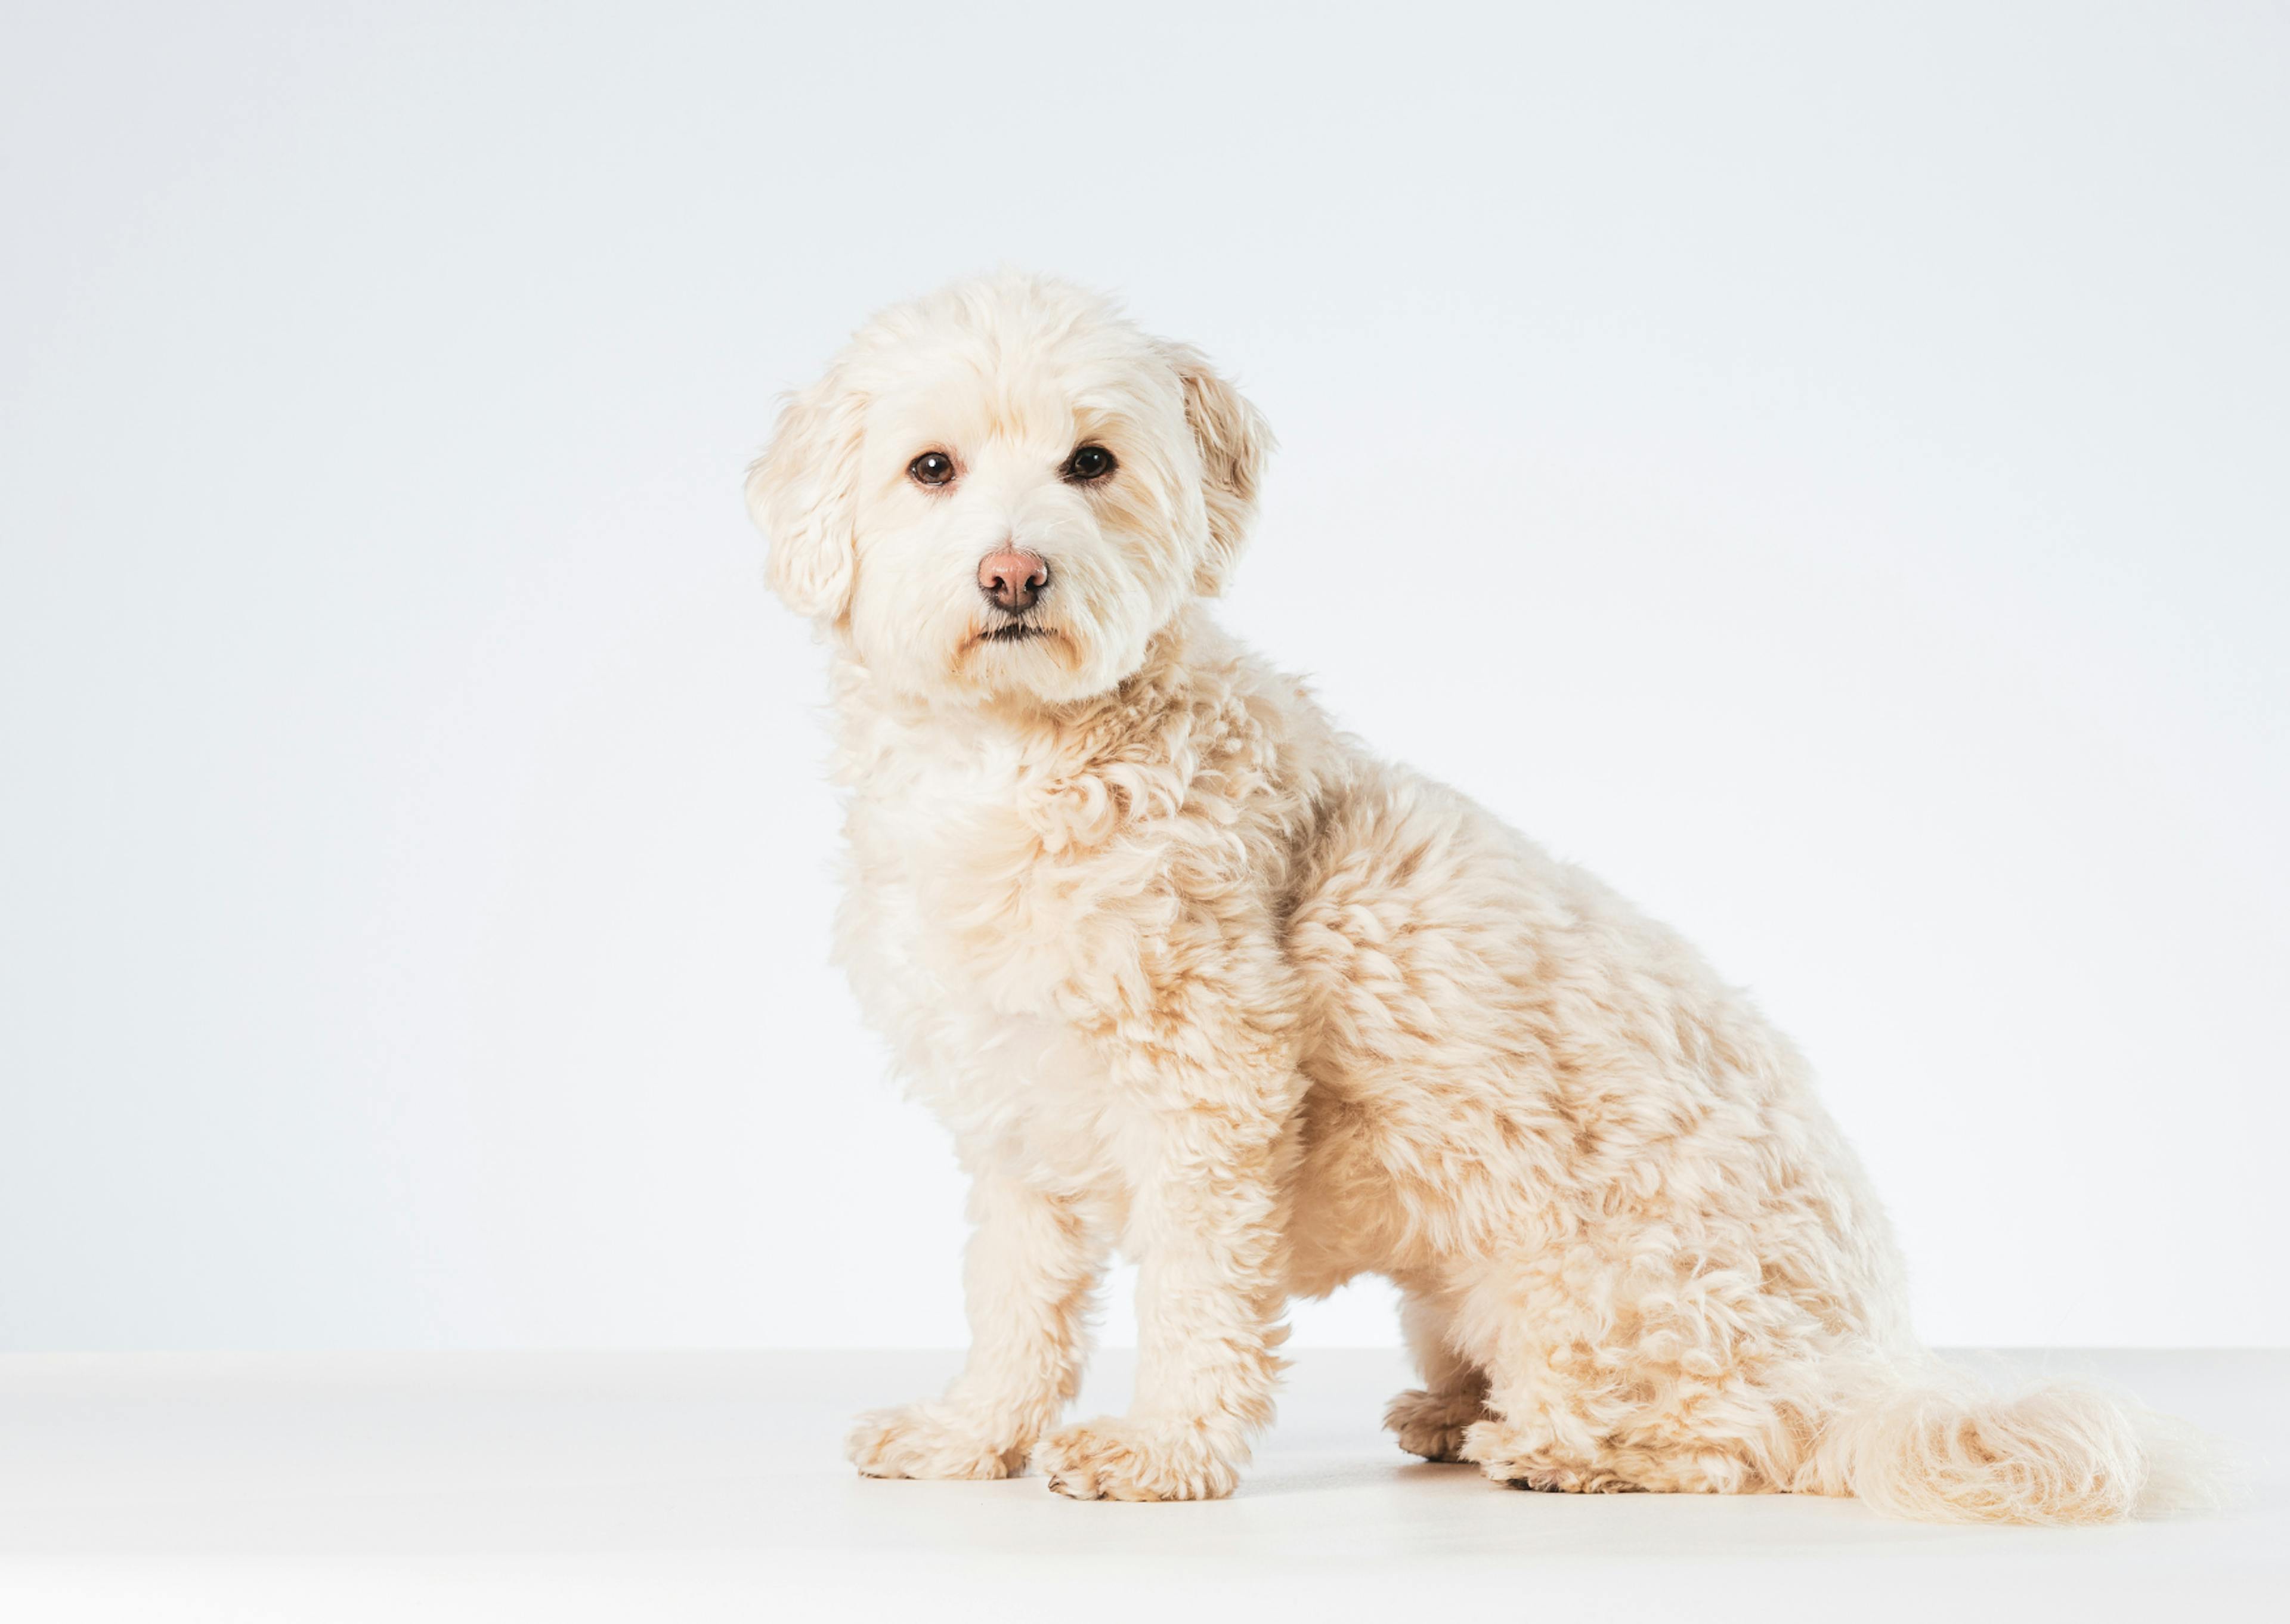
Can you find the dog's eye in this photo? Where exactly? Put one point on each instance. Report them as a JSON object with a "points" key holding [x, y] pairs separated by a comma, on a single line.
{"points": [[931, 468], [1088, 464]]}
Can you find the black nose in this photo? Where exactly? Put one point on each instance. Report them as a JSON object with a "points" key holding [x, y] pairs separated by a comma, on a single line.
{"points": [[1011, 578]]}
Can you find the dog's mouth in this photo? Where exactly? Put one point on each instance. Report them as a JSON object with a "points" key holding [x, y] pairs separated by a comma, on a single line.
{"points": [[1012, 631]]}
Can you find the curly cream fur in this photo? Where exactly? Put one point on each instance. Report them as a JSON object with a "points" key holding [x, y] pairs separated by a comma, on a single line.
{"points": [[1189, 973]]}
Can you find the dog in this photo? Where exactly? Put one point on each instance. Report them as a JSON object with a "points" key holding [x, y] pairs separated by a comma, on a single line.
{"points": [[1189, 973]]}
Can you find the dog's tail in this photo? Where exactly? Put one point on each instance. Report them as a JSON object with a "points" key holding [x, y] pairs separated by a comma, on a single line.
{"points": [[1932, 1443]]}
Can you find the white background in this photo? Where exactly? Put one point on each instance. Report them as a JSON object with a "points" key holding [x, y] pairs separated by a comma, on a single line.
{"points": [[1825, 468]]}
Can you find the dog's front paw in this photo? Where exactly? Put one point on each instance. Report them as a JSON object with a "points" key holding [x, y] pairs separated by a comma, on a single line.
{"points": [[1432, 1424], [927, 1441], [1113, 1459]]}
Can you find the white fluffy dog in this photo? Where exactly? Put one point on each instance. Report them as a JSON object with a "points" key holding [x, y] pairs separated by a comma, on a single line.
{"points": [[1190, 973]]}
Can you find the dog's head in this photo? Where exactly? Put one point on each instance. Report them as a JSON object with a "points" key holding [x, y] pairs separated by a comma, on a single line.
{"points": [[1004, 489]]}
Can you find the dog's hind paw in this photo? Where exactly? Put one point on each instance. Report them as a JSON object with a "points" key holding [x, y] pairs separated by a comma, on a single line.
{"points": [[1432, 1424], [1520, 1460]]}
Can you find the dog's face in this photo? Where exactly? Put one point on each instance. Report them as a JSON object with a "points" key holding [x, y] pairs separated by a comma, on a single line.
{"points": [[1004, 489]]}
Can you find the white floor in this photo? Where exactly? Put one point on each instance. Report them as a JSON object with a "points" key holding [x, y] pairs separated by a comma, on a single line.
{"points": [[669, 1487]]}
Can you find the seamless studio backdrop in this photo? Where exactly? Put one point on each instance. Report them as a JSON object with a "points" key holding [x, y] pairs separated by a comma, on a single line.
{"points": [[1824, 469]]}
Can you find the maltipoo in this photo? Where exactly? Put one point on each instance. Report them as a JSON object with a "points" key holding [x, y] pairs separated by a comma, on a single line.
{"points": [[1189, 973]]}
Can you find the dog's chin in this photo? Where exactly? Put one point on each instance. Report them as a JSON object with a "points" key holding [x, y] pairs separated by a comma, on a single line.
{"points": [[1023, 659]]}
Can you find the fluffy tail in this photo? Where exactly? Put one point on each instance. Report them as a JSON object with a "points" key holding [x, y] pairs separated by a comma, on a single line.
{"points": [[1932, 1443]]}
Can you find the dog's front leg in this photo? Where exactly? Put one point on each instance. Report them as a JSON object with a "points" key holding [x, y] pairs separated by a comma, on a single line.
{"points": [[1206, 1223], [1027, 1277]]}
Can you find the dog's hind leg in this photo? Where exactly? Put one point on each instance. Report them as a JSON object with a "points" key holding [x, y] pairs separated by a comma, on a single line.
{"points": [[1533, 1436], [1429, 1421], [1604, 1392]]}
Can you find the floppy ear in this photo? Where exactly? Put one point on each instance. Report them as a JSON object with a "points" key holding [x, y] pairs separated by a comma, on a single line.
{"points": [[1234, 440], [803, 492]]}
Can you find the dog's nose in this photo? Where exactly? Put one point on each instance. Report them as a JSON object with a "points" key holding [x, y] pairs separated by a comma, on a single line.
{"points": [[1011, 578]]}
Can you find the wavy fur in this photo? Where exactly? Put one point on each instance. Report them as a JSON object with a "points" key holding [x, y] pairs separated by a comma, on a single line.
{"points": [[1189, 973]]}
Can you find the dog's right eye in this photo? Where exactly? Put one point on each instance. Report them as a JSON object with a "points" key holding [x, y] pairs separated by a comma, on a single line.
{"points": [[931, 468]]}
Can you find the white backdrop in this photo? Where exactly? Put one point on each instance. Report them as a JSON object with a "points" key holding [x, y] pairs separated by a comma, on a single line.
{"points": [[1848, 449]]}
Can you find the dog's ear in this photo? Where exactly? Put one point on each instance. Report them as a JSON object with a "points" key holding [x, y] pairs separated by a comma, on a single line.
{"points": [[1234, 440], [803, 492]]}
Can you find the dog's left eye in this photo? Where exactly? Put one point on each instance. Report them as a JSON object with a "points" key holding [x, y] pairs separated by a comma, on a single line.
{"points": [[1089, 463]]}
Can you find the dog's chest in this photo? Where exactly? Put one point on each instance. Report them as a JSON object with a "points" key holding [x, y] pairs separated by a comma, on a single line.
{"points": [[970, 948], [963, 875], [1032, 1098]]}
